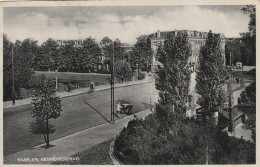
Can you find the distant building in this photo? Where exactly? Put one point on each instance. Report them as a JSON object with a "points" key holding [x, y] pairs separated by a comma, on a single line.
{"points": [[234, 39], [196, 39], [76, 43], [128, 47]]}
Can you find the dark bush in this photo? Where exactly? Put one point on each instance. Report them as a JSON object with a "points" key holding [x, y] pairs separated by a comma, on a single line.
{"points": [[143, 143], [141, 76]]}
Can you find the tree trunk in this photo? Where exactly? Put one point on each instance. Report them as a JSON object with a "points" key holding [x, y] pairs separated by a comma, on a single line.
{"points": [[47, 130], [44, 138], [207, 156]]}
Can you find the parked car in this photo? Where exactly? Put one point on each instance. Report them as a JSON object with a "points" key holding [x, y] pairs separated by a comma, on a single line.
{"points": [[239, 64]]}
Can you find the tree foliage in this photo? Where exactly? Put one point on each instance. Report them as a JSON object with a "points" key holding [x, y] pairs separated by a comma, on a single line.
{"points": [[142, 143], [211, 73], [250, 9], [119, 51], [249, 38], [122, 70], [142, 52], [106, 47], [66, 56], [47, 105], [234, 47], [166, 136], [244, 49], [88, 55], [248, 98], [23, 55], [49, 52], [173, 79], [248, 49]]}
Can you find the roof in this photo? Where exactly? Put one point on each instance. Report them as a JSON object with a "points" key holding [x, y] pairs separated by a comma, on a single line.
{"points": [[127, 45], [190, 33]]}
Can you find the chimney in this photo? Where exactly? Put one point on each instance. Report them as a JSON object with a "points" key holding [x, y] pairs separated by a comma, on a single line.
{"points": [[175, 33], [158, 34]]}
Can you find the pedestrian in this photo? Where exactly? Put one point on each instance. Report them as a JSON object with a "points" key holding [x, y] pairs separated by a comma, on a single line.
{"points": [[237, 79], [69, 87], [92, 86], [118, 107]]}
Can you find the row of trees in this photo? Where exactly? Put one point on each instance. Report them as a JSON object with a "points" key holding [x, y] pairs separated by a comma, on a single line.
{"points": [[51, 56], [244, 49], [28, 56]]}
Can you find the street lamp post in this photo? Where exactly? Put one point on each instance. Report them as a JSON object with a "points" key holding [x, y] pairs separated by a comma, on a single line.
{"points": [[231, 97], [151, 79], [13, 90], [56, 80], [112, 87], [231, 67], [137, 66]]}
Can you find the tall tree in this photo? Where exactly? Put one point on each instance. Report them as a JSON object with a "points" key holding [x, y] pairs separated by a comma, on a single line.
{"points": [[106, 46], [122, 69], [248, 49], [249, 38], [211, 73], [233, 47], [250, 9], [23, 57], [49, 52], [173, 80], [142, 51], [47, 105], [89, 54], [7, 68], [65, 57], [119, 51]]}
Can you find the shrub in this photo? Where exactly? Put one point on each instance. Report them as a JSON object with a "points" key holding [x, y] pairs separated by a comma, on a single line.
{"points": [[248, 96], [142, 142], [141, 76]]}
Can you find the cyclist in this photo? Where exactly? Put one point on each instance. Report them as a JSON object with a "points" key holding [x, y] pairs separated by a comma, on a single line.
{"points": [[92, 86]]}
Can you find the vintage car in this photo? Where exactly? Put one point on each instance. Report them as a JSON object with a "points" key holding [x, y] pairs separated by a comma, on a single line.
{"points": [[239, 64]]}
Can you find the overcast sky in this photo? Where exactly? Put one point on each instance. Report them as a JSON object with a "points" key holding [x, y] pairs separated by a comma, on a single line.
{"points": [[124, 23]]}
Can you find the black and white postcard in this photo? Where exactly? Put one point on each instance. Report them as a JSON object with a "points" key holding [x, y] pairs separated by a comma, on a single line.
{"points": [[129, 83]]}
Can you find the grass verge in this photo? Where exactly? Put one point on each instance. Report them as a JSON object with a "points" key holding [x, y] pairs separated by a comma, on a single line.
{"points": [[96, 155]]}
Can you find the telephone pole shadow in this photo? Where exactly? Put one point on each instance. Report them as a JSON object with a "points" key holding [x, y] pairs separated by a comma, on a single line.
{"points": [[97, 111]]}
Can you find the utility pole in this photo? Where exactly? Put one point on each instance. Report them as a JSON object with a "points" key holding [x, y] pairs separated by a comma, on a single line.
{"points": [[231, 67], [13, 90], [56, 80], [230, 129], [150, 91], [231, 97], [112, 86]]}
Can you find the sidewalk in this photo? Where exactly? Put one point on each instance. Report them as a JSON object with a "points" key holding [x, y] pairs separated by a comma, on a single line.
{"points": [[8, 104], [71, 144]]}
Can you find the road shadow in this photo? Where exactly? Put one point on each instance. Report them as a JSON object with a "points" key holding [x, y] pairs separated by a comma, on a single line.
{"points": [[97, 111]]}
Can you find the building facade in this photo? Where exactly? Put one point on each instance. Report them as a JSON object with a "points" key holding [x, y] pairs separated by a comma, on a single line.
{"points": [[76, 43], [196, 39]]}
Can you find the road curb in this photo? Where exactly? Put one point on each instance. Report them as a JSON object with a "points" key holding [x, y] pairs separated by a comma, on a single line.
{"points": [[87, 91], [112, 154]]}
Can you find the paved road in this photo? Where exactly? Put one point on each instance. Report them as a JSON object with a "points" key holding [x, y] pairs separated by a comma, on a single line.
{"points": [[79, 112]]}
